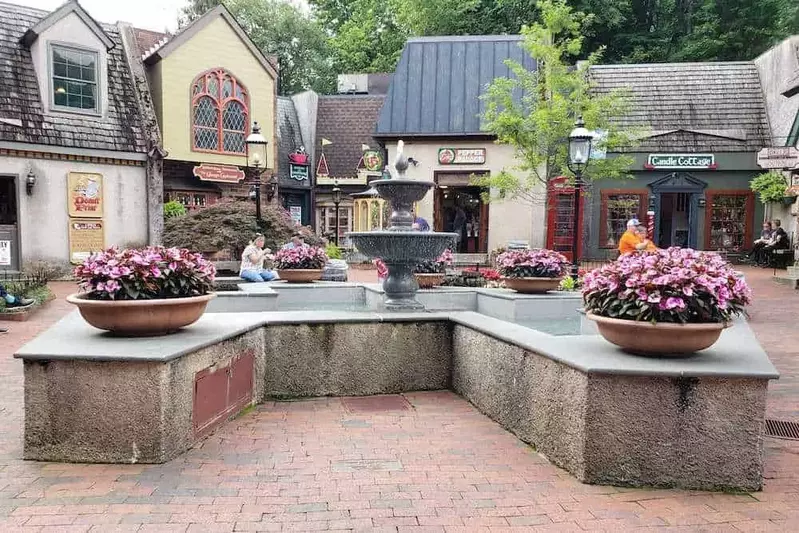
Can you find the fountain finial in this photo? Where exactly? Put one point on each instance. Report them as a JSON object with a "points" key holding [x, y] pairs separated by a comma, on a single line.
{"points": [[401, 162]]}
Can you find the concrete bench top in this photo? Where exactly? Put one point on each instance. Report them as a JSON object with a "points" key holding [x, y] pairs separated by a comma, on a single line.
{"points": [[737, 354]]}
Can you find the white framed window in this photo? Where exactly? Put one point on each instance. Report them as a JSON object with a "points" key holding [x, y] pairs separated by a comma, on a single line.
{"points": [[74, 75]]}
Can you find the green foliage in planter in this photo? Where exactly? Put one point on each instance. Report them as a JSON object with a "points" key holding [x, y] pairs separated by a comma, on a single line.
{"points": [[333, 251], [770, 185], [174, 209]]}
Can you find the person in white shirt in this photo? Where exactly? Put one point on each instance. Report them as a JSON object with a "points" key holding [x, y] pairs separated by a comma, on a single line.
{"points": [[252, 262]]}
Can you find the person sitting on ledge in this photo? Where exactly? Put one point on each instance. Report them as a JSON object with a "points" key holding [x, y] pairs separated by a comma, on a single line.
{"points": [[643, 234], [297, 241], [14, 301], [420, 224], [252, 262]]}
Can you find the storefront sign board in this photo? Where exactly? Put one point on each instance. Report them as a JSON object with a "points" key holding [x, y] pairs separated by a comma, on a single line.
{"points": [[681, 161], [86, 236], [461, 156], [85, 195], [777, 157], [219, 173], [298, 172], [296, 214], [5, 253]]}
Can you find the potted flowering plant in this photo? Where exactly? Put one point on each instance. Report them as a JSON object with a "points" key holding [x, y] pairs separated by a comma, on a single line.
{"points": [[303, 264], [675, 301], [532, 271], [431, 273], [143, 292]]}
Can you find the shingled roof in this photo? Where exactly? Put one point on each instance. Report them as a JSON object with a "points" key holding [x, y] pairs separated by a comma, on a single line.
{"points": [[22, 118], [692, 107], [436, 88], [289, 136], [348, 121]]}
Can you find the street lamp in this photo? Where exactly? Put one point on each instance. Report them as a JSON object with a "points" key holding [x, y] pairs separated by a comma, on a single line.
{"points": [[256, 159], [579, 154], [336, 202]]}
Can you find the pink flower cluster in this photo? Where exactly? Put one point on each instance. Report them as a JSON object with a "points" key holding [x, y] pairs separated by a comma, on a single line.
{"points": [[535, 263], [446, 258], [300, 257], [154, 272], [674, 285]]}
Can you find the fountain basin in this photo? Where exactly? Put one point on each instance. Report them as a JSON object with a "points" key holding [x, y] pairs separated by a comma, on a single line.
{"points": [[403, 192], [411, 247]]}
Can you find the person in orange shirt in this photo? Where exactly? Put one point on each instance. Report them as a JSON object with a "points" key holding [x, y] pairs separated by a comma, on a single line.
{"points": [[650, 246], [631, 241]]}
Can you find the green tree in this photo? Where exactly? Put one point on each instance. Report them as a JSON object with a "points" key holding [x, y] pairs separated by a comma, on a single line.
{"points": [[279, 28], [538, 124]]}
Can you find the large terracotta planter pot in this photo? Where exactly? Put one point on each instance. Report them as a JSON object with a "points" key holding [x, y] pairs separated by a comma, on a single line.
{"points": [[660, 339], [141, 318], [532, 285], [428, 281], [300, 275]]}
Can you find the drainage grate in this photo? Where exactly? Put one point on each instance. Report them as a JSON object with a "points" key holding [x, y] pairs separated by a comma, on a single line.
{"points": [[782, 429]]}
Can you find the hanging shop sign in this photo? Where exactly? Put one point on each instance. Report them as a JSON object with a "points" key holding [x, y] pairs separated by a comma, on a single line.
{"points": [[778, 157], [85, 194], [219, 173], [681, 161], [298, 172], [371, 161], [86, 236], [461, 156]]}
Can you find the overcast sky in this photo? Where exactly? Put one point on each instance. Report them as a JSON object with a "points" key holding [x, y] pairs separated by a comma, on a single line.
{"points": [[149, 14]]}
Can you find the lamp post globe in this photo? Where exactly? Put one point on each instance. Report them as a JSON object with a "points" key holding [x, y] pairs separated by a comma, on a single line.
{"points": [[255, 148], [580, 140]]}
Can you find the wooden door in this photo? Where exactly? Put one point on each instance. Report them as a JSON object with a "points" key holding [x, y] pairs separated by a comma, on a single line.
{"points": [[560, 217]]}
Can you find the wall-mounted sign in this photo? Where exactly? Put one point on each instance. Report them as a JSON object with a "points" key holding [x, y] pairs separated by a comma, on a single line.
{"points": [[360, 179], [371, 161], [85, 194], [681, 161], [296, 214], [86, 236], [461, 156], [5, 253], [298, 172], [218, 173], [322, 169], [778, 157]]}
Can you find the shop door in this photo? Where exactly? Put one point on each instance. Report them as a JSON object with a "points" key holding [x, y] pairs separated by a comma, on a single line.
{"points": [[560, 217], [461, 210], [9, 228]]}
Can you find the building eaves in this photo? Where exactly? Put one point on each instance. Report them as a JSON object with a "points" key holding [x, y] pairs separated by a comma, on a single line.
{"points": [[72, 6]]}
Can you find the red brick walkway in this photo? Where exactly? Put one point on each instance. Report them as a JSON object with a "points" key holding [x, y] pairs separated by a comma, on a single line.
{"points": [[332, 464]]}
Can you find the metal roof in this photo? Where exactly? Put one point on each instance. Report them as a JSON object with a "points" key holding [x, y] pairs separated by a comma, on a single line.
{"points": [[438, 82]]}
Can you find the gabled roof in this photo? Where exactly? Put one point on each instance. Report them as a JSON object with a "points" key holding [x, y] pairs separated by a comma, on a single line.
{"points": [[349, 122], [714, 107], [70, 7], [437, 86], [149, 41], [192, 29], [22, 118], [289, 137]]}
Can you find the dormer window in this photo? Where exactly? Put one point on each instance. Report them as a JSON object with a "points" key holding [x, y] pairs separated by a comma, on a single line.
{"points": [[74, 78], [220, 106]]}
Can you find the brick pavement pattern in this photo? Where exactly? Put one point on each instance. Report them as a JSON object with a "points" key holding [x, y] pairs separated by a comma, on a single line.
{"points": [[420, 462]]}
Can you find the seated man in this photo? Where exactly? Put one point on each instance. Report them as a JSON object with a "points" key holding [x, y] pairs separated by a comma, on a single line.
{"points": [[630, 241], [778, 241], [297, 241], [252, 262], [650, 246], [420, 224], [14, 301]]}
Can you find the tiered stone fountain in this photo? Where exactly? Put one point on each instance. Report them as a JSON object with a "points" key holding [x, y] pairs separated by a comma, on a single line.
{"points": [[401, 247]]}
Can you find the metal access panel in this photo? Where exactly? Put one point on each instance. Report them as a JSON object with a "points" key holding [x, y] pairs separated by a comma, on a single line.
{"points": [[221, 391]]}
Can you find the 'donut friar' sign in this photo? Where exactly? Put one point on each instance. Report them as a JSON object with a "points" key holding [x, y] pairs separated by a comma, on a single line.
{"points": [[85, 194], [219, 173], [683, 161]]}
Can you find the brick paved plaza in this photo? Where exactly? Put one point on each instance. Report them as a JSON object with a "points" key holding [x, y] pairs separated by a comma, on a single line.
{"points": [[418, 462]]}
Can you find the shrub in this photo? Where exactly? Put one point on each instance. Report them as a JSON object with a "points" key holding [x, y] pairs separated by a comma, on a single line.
{"points": [[228, 225], [150, 273], [174, 209], [333, 251], [302, 257], [535, 263], [40, 272], [435, 266], [771, 186], [678, 285]]}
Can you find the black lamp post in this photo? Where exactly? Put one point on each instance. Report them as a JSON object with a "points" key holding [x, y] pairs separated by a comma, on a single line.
{"points": [[579, 154], [256, 159], [336, 202]]}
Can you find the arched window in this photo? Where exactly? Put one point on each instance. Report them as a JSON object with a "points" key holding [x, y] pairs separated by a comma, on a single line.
{"points": [[220, 110]]}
